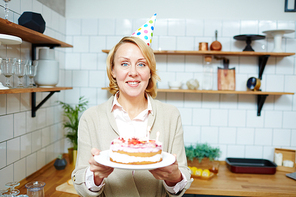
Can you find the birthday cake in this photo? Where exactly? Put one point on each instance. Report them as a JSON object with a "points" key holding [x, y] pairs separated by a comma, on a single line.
{"points": [[135, 151]]}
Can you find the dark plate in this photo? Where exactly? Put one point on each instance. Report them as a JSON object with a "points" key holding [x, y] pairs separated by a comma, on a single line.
{"points": [[249, 36], [252, 166]]}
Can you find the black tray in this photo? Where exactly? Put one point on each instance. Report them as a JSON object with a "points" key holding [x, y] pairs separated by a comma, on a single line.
{"points": [[252, 166]]}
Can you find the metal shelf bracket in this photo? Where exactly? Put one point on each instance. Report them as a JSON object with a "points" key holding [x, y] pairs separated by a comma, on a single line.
{"points": [[33, 102], [260, 102], [262, 63]]}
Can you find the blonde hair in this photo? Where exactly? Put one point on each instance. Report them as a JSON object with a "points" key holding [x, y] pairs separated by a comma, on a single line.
{"points": [[148, 55]]}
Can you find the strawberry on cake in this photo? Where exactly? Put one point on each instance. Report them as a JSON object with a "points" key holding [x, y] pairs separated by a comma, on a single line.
{"points": [[135, 151]]}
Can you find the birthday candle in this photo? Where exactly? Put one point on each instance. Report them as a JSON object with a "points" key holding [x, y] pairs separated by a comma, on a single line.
{"points": [[148, 133]]}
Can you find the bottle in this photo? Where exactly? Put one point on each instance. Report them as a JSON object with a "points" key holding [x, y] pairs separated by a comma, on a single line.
{"points": [[207, 81]]}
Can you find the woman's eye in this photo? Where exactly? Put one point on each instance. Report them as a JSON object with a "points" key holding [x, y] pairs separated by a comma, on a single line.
{"points": [[141, 65], [124, 64]]}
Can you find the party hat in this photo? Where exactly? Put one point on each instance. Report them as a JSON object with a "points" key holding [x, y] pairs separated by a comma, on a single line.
{"points": [[145, 32]]}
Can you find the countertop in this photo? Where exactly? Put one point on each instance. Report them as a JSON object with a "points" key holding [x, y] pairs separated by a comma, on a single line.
{"points": [[237, 184], [225, 183]]}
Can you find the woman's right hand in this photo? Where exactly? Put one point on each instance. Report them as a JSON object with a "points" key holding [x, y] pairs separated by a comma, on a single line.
{"points": [[100, 171]]}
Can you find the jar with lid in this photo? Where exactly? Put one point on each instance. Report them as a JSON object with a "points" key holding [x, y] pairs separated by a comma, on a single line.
{"points": [[207, 81]]}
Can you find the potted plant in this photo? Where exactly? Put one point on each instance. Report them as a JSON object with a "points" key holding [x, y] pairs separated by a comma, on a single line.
{"points": [[60, 163], [71, 125], [201, 154]]}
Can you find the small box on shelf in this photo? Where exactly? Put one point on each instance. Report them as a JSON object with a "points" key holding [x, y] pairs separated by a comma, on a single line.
{"points": [[287, 154]]}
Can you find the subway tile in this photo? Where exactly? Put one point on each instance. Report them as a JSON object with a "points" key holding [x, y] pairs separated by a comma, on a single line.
{"points": [[176, 63], [287, 25], [253, 120], [81, 44], [228, 101], [72, 96], [268, 152], [112, 41], [175, 99], [45, 137], [191, 135], [290, 45], [185, 43], [194, 27], [245, 136], [254, 152], [80, 78], [219, 117], [6, 172], [46, 14], [230, 28], [281, 137], [227, 135], [97, 43], [55, 17], [97, 79], [25, 101], [40, 158], [210, 101], [283, 102], [273, 119], [3, 154], [289, 119], [53, 133], [248, 65], [36, 140], [167, 43], [293, 138], [235, 151], [201, 117], [209, 135], [26, 141], [186, 116], [31, 163], [161, 62], [90, 94], [249, 27], [223, 149], [104, 95], [192, 100], [89, 61], [275, 83], [19, 122], [40, 118], [72, 61], [165, 78], [2, 104], [266, 25], [123, 27], [193, 63], [102, 61], [284, 65], [237, 118], [13, 103], [89, 26], [263, 137], [106, 26], [19, 170], [161, 27], [50, 116], [31, 122], [210, 26], [176, 27], [73, 27], [6, 131]]}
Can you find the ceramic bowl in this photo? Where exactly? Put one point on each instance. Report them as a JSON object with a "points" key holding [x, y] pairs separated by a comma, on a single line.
{"points": [[175, 84]]}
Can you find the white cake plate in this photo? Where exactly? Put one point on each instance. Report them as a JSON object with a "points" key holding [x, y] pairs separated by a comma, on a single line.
{"points": [[278, 35], [8, 40]]}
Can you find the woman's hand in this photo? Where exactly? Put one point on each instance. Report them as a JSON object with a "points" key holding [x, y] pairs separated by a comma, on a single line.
{"points": [[100, 171], [170, 174]]}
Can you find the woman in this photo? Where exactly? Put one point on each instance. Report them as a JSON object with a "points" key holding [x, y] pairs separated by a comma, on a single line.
{"points": [[131, 69]]}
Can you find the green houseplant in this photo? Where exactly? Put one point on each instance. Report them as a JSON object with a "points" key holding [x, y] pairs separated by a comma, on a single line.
{"points": [[72, 113], [201, 152]]}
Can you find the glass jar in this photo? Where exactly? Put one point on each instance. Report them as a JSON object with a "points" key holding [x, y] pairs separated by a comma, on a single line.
{"points": [[207, 81]]}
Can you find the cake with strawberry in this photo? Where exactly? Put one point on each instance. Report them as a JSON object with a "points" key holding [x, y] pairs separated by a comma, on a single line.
{"points": [[135, 151]]}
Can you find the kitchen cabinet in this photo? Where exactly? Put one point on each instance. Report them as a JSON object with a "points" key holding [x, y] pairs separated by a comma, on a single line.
{"points": [[262, 59], [38, 40]]}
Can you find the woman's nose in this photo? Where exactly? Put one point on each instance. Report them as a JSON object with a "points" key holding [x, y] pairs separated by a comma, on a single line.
{"points": [[133, 71]]}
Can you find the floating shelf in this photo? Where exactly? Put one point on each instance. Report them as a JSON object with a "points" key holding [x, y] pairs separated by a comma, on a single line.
{"points": [[222, 53], [33, 94]]}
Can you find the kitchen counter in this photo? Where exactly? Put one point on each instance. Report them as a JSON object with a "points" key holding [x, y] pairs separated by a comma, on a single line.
{"points": [[237, 184], [225, 183]]}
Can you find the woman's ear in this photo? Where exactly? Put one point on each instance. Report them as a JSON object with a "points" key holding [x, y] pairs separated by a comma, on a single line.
{"points": [[113, 75]]}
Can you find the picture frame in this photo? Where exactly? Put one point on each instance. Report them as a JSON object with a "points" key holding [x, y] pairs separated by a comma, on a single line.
{"points": [[290, 5]]}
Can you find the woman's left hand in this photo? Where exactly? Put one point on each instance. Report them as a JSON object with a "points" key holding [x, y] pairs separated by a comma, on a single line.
{"points": [[170, 174]]}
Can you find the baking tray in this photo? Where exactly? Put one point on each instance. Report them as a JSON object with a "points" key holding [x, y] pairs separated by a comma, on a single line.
{"points": [[252, 166]]}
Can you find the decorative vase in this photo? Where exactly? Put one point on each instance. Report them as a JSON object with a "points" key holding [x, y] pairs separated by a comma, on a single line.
{"points": [[47, 75], [70, 152], [60, 164], [74, 156]]}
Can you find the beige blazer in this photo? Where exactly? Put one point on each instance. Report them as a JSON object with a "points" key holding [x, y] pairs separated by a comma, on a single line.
{"points": [[97, 128]]}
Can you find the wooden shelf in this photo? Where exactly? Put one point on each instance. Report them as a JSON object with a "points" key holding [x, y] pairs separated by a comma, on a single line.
{"points": [[218, 53], [29, 90], [26, 34], [221, 92]]}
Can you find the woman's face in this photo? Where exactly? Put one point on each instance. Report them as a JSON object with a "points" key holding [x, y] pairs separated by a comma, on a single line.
{"points": [[131, 70]]}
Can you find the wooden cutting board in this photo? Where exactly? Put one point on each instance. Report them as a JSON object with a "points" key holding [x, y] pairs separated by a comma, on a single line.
{"points": [[67, 187]]}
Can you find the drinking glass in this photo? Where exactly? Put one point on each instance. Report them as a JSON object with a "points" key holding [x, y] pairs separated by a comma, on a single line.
{"points": [[12, 192], [6, 8], [20, 71], [2, 193], [31, 72], [8, 68]]}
